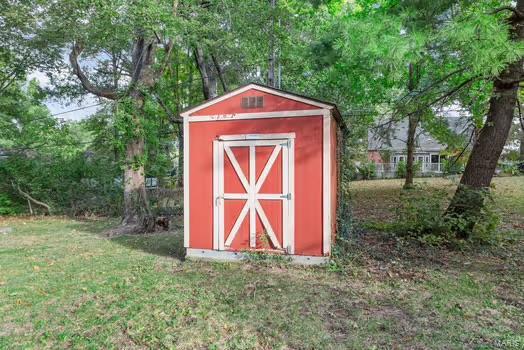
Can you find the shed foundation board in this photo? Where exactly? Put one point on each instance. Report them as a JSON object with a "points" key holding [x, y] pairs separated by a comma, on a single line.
{"points": [[227, 256]]}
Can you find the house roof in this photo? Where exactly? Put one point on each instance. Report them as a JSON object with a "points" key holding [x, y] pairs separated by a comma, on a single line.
{"points": [[274, 91], [395, 138]]}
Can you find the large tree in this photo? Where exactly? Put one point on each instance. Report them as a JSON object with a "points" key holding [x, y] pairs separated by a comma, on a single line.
{"points": [[480, 168], [117, 51]]}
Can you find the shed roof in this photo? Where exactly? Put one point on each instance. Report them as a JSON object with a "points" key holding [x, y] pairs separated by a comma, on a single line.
{"points": [[274, 91]]}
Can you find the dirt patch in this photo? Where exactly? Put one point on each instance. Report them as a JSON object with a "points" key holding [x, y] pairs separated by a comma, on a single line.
{"points": [[10, 329]]}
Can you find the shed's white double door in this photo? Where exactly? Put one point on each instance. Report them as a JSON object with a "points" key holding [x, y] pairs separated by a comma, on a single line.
{"points": [[254, 192]]}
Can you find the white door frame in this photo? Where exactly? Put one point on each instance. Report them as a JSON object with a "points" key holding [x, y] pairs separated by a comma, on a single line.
{"points": [[285, 144]]}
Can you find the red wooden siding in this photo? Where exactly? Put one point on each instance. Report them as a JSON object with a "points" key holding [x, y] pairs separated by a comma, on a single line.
{"points": [[308, 176], [272, 103]]}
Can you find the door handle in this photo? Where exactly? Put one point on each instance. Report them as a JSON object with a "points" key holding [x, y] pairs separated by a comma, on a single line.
{"points": [[286, 196]]}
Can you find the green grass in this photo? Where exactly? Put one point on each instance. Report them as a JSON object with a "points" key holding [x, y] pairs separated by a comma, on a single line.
{"points": [[64, 285]]}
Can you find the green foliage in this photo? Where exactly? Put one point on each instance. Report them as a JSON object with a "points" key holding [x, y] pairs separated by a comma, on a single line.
{"points": [[451, 166], [263, 258], [367, 170], [401, 169], [345, 256], [510, 168], [344, 216], [7, 207], [420, 215], [51, 161]]}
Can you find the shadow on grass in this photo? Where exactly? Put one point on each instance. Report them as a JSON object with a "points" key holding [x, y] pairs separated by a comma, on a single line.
{"points": [[168, 243]]}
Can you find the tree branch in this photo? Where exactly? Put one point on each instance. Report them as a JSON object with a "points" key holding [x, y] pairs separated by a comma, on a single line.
{"points": [[516, 12], [172, 118], [220, 73], [29, 198], [98, 91]]}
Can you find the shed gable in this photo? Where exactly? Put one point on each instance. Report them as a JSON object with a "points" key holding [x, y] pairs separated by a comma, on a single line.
{"points": [[237, 104]]}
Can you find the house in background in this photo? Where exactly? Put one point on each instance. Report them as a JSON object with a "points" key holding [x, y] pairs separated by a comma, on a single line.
{"points": [[386, 150]]}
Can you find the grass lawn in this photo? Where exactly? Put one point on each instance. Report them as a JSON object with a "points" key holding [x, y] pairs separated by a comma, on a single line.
{"points": [[64, 285]]}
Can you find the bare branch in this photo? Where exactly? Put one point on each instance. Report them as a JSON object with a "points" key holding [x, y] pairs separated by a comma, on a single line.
{"points": [[29, 198], [220, 72], [98, 91]]}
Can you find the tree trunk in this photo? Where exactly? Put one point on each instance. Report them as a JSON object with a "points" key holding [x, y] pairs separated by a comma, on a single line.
{"points": [[411, 143], [137, 215], [413, 120], [219, 73], [209, 80], [136, 206], [468, 200]]}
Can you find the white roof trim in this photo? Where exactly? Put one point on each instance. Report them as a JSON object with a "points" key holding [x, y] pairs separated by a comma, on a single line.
{"points": [[259, 88]]}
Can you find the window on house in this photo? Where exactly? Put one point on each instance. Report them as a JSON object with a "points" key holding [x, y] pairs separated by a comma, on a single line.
{"points": [[434, 158]]}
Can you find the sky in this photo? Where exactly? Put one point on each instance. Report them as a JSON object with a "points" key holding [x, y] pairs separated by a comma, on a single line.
{"points": [[62, 107]]}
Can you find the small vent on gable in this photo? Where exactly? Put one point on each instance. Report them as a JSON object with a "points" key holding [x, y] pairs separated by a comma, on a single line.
{"points": [[253, 102]]}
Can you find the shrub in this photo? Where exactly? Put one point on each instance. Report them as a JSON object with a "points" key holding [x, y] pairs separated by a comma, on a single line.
{"points": [[511, 169], [420, 212], [367, 170], [7, 207], [401, 169], [452, 167], [420, 216], [344, 217]]}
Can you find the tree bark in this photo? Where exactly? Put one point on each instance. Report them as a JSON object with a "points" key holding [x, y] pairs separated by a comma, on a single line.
{"points": [[411, 144], [413, 120], [468, 200], [136, 204], [219, 73], [135, 197], [209, 81]]}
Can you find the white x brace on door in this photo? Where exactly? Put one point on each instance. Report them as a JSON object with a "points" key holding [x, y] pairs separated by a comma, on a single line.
{"points": [[282, 149]]}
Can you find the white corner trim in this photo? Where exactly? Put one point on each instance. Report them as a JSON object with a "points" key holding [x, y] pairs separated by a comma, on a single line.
{"points": [[186, 183], [216, 194], [229, 256], [326, 183], [257, 115], [259, 88], [290, 135]]}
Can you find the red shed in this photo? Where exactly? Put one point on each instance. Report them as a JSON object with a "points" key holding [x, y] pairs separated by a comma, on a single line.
{"points": [[260, 174]]}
